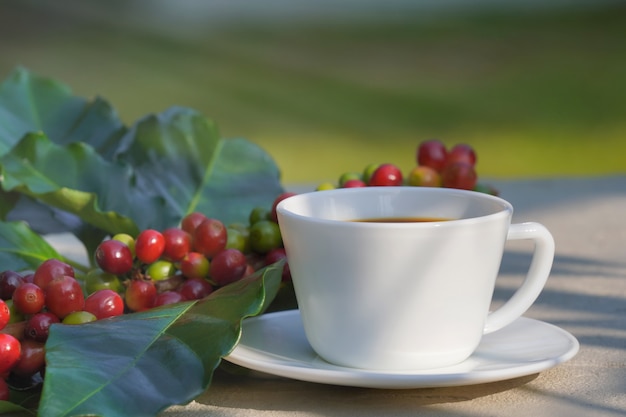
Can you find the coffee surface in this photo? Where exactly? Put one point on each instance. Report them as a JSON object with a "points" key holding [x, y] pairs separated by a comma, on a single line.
{"points": [[402, 220]]}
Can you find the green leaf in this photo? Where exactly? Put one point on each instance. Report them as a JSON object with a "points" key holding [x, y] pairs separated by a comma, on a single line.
{"points": [[139, 364], [21, 248], [180, 156], [164, 167], [16, 410], [29, 103], [61, 175]]}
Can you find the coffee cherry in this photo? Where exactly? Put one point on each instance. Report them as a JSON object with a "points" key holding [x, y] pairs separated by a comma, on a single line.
{"points": [[10, 352], [104, 303], [38, 326], [281, 197], [126, 239], [79, 317], [149, 246], [140, 295], [114, 257], [368, 171], [461, 153], [349, 176], [191, 221], [29, 277], [432, 153], [195, 288], [5, 314], [227, 266], [97, 279], [276, 255], [210, 237], [49, 270], [64, 295], [160, 270], [386, 175], [168, 297], [354, 183], [325, 186], [257, 260], [9, 281], [28, 298], [257, 214], [237, 238], [195, 265], [459, 175], [265, 236], [32, 359], [424, 176], [249, 270], [177, 243]]}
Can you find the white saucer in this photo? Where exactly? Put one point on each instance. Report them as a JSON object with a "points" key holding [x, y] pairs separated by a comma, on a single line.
{"points": [[275, 343]]}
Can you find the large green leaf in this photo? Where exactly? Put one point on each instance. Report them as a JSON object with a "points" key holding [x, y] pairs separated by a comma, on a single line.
{"points": [[29, 103], [76, 179], [138, 364], [179, 155], [165, 166], [14, 410], [21, 248]]}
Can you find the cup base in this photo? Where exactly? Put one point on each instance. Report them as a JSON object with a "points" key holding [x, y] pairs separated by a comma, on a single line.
{"points": [[408, 362]]}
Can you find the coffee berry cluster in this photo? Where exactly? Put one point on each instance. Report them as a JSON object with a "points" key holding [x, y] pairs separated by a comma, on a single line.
{"points": [[152, 269], [436, 166]]}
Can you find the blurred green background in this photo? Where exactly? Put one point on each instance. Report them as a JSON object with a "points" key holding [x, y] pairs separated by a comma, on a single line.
{"points": [[538, 88]]}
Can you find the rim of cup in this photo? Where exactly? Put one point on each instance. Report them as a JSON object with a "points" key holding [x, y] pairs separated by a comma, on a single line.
{"points": [[505, 208]]}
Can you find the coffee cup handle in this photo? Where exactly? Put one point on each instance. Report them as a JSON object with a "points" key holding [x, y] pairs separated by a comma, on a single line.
{"points": [[538, 273]]}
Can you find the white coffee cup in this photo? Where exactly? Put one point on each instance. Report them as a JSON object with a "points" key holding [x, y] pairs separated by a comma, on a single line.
{"points": [[409, 295]]}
